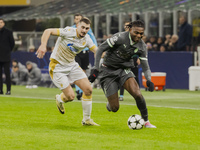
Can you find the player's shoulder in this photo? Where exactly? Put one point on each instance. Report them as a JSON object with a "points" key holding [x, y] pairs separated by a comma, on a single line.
{"points": [[141, 45], [120, 36], [87, 37], [68, 29]]}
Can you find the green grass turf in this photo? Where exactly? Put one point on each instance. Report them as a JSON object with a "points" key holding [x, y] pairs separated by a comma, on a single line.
{"points": [[29, 119]]}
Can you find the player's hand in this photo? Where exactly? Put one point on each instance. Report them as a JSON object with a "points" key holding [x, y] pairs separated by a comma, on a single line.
{"points": [[41, 51], [150, 85], [93, 75]]}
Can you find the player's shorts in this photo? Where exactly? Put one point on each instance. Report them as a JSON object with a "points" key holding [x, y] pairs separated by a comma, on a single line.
{"points": [[112, 79], [83, 59], [63, 75]]}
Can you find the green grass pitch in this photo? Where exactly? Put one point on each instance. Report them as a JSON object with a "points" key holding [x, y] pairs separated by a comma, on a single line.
{"points": [[30, 120]]}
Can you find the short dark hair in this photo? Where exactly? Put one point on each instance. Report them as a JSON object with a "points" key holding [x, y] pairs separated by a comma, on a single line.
{"points": [[14, 60], [137, 23], [78, 14], [85, 20]]}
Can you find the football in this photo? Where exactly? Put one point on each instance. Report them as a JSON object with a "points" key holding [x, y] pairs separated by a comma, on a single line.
{"points": [[135, 122]]}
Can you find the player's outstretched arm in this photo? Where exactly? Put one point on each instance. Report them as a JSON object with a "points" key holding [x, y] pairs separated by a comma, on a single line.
{"points": [[147, 74], [44, 39]]}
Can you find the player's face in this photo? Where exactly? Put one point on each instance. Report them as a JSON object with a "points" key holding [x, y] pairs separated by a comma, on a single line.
{"points": [[82, 29], [136, 33], [77, 19], [2, 24]]}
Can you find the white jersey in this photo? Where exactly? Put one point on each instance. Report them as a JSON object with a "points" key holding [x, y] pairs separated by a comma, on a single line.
{"points": [[69, 44]]}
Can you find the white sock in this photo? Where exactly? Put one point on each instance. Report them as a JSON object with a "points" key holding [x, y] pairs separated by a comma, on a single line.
{"points": [[59, 98], [87, 109]]}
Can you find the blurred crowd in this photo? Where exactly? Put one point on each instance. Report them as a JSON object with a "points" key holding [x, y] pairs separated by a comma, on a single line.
{"points": [[162, 44], [29, 75], [169, 43]]}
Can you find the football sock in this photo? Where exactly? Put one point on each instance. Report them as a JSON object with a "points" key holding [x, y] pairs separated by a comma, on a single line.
{"points": [[122, 91], [78, 89], [121, 96], [60, 98], [141, 104], [87, 106]]}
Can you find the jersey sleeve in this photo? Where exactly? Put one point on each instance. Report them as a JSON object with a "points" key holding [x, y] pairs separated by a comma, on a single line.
{"points": [[143, 55], [65, 32], [90, 43], [114, 40], [145, 64]]}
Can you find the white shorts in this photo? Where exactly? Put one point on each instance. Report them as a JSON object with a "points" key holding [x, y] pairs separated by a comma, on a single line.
{"points": [[63, 75]]}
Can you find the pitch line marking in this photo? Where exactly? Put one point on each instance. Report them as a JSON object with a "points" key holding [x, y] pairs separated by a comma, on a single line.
{"points": [[104, 102]]}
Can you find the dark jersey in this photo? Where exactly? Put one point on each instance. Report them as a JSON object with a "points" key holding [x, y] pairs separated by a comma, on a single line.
{"points": [[120, 51]]}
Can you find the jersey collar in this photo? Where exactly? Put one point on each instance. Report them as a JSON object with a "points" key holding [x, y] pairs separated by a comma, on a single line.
{"points": [[131, 42], [77, 34]]}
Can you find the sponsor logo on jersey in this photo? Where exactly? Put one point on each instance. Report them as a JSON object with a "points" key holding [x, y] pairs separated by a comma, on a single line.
{"points": [[113, 40], [70, 45]]}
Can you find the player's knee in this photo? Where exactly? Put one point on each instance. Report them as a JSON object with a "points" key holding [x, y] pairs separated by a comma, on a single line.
{"points": [[88, 91], [138, 97], [114, 108]]}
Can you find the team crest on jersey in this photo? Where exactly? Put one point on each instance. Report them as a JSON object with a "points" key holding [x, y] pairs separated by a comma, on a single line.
{"points": [[84, 43]]}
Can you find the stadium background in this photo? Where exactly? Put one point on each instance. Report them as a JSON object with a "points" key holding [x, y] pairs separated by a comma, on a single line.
{"points": [[29, 18]]}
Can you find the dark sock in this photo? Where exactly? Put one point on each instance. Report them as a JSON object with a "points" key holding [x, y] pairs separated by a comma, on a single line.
{"points": [[141, 104], [122, 91]]}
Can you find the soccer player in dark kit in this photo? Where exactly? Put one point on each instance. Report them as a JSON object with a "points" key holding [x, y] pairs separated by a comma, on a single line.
{"points": [[115, 70]]}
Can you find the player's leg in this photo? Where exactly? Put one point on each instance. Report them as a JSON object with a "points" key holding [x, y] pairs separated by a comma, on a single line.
{"points": [[113, 103], [59, 76], [85, 85], [132, 87], [67, 94], [111, 92], [1, 79], [7, 74]]}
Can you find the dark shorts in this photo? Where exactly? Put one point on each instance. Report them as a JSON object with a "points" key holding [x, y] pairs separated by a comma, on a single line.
{"points": [[112, 79], [83, 59]]}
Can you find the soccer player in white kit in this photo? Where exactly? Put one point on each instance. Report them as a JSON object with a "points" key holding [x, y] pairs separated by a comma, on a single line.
{"points": [[64, 70]]}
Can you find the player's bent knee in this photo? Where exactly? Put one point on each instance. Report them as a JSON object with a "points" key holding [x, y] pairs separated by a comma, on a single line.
{"points": [[114, 108], [88, 91], [138, 96]]}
